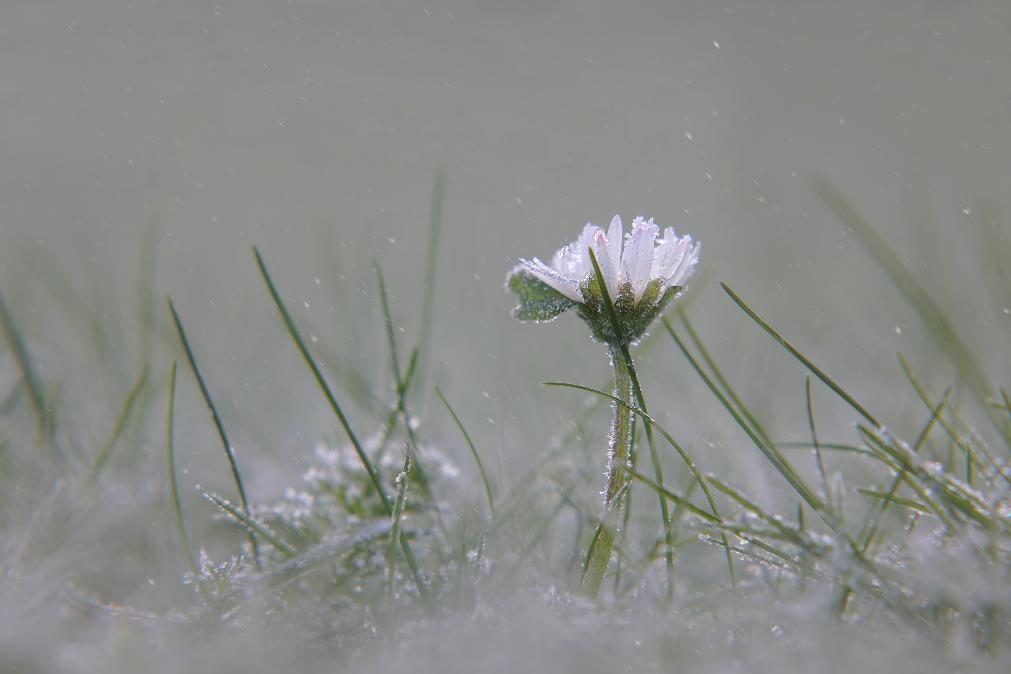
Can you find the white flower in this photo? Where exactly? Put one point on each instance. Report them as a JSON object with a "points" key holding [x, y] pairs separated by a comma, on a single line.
{"points": [[641, 273], [637, 258]]}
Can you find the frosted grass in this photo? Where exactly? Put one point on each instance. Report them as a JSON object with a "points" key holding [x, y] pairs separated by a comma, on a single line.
{"points": [[887, 545]]}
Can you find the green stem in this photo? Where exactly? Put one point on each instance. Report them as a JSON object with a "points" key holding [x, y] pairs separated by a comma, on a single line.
{"points": [[619, 451]]}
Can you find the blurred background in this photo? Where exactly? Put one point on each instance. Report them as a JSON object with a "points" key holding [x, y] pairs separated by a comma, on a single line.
{"points": [[145, 146]]}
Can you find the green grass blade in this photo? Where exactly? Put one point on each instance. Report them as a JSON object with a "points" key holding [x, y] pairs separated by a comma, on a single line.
{"points": [[680, 501], [890, 497], [934, 320], [688, 460], [170, 452], [436, 205], [953, 434], [473, 452], [335, 406], [222, 435], [719, 378], [126, 411], [771, 453], [796, 353], [872, 526], [400, 383], [399, 502], [641, 401], [296, 337], [42, 409], [250, 525], [819, 462]]}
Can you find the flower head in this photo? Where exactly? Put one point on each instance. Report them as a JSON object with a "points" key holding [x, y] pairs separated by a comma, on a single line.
{"points": [[641, 272]]}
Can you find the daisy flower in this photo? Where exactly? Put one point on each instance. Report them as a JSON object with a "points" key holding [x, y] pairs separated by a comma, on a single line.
{"points": [[642, 271]]}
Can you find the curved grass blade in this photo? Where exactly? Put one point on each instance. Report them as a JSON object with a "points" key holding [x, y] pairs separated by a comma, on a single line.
{"points": [[436, 204], [401, 383], [335, 406], [641, 401], [121, 421], [796, 353], [872, 526], [251, 526], [473, 452], [42, 409], [822, 474], [229, 452], [770, 451], [170, 457], [650, 422], [934, 319]]}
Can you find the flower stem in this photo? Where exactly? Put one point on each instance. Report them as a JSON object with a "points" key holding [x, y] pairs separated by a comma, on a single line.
{"points": [[619, 451]]}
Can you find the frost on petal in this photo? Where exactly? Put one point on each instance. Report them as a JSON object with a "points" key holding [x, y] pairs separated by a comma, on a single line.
{"points": [[551, 277], [615, 238], [686, 259], [602, 249], [664, 258], [581, 246], [637, 259]]}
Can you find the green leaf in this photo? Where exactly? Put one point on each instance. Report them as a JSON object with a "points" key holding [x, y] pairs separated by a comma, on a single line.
{"points": [[538, 301]]}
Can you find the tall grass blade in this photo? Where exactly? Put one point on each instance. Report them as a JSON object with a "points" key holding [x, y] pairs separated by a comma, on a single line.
{"points": [[649, 421], [250, 525], [436, 205], [473, 452], [935, 321], [373, 474], [641, 401], [796, 353], [816, 446], [170, 455], [222, 435], [401, 383], [42, 409], [125, 413], [771, 453]]}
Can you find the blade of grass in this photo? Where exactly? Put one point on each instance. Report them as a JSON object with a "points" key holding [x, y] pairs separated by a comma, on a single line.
{"points": [[398, 509], [641, 401], [934, 320], [796, 353], [778, 461], [436, 204], [667, 436], [335, 406], [890, 497], [222, 435], [719, 378], [872, 526], [43, 411], [822, 475], [401, 383], [126, 411], [177, 506], [949, 428], [473, 452], [248, 524]]}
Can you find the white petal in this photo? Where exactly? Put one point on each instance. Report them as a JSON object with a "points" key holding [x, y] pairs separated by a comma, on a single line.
{"points": [[687, 259], [553, 278], [664, 255], [602, 249], [637, 259], [581, 246], [615, 239]]}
